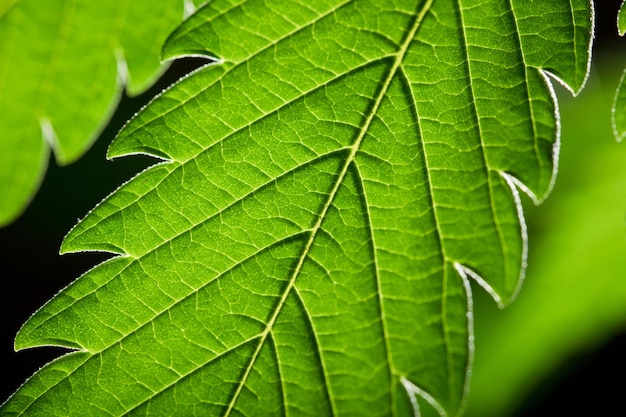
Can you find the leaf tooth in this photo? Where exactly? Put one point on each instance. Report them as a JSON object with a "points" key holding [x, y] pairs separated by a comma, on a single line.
{"points": [[565, 49], [54, 324], [413, 391], [235, 30]]}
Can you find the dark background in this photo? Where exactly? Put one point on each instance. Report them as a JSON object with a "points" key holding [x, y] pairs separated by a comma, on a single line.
{"points": [[68, 193]]}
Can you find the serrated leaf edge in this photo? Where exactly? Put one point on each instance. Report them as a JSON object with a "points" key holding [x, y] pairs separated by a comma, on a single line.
{"points": [[464, 272]]}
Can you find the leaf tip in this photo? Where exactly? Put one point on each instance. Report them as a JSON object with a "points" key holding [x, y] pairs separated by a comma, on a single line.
{"points": [[179, 44], [466, 273], [33, 335], [25, 340], [414, 391], [75, 242]]}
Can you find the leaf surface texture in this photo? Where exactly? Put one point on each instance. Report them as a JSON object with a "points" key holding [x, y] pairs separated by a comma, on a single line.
{"points": [[327, 191]]}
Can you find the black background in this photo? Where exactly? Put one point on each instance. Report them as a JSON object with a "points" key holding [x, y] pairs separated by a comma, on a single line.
{"points": [[33, 271]]}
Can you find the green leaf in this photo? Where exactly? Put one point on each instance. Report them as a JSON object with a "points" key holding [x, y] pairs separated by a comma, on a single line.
{"points": [[62, 68], [618, 113], [328, 189]]}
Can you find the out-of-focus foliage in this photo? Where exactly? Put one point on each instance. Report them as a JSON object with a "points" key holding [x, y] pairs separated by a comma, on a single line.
{"points": [[63, 65], [618, 111]]}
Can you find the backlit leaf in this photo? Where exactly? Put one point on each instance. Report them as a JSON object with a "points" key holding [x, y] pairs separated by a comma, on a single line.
{"points": [[328, 189]]}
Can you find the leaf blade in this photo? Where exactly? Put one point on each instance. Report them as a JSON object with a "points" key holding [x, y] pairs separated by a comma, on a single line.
{"points": [[372, 173]]}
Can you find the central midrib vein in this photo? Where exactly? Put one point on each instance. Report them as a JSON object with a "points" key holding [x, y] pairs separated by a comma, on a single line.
{"points": [[399, 57]]}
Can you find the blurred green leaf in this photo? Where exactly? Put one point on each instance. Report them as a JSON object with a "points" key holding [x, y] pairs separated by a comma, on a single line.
{"points": [[327, 191], [62, 67], [618, 111]]}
